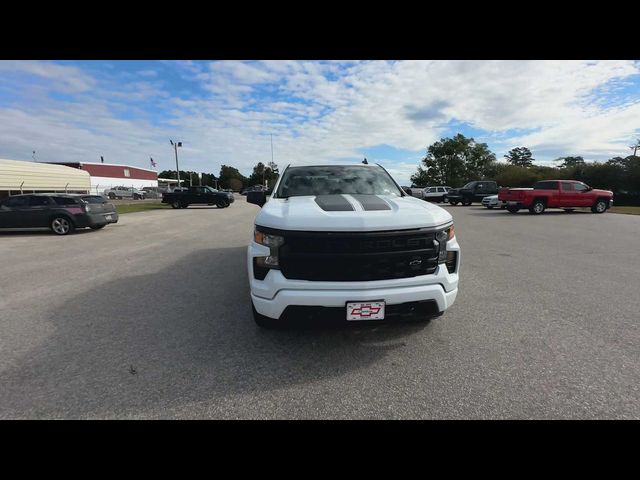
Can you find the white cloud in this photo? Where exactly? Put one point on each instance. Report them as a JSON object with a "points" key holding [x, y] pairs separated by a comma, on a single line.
{"points": [[67, 79]]}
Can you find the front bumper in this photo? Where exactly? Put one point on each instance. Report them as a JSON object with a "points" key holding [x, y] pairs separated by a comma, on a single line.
{"points": [[275, 293], [492, 203]]}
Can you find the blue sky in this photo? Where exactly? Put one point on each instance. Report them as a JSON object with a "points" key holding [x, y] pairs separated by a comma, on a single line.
{"points": [[224, 112]]}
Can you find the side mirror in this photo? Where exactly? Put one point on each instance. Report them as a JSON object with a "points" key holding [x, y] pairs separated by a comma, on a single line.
{"points": [[257, 198]]}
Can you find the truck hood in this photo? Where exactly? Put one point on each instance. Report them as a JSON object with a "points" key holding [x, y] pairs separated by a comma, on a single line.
{"points": [[349, 213]]}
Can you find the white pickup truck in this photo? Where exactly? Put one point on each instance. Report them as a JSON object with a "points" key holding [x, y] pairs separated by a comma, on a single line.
{"points": [[345, 242]]}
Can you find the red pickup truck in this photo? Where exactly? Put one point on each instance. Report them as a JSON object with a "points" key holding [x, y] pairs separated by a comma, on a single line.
{"points": [[565, 194]]}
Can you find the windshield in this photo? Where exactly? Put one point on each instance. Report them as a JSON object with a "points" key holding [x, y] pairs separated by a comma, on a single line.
{"points": [[335, 180], [469, 185]]}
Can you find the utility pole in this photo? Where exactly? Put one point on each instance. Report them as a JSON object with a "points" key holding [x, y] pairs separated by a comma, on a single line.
{"points": [[175, 147], [635, 147]]}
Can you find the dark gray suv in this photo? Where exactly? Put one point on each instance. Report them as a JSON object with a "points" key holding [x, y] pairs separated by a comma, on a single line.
{"points": [[62, 213]]}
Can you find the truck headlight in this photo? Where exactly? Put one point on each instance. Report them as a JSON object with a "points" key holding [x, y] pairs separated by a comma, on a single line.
{"points": [[267, 239], [261, 265], [443, 236]]}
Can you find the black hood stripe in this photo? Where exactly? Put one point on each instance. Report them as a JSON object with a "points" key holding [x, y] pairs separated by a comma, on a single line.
{"points": [[371, 202], [334, 203]]}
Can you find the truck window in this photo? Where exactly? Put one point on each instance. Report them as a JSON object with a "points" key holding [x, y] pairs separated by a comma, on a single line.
{"points": [[579, 187], [546, 186], [335, 180], [567, 186]]}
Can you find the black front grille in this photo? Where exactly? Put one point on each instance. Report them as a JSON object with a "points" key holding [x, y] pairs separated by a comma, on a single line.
{"points": [[350, 257]]}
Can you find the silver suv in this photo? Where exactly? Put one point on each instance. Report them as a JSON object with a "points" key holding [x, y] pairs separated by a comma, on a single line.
{"points": [[436, 194], [124, 192]]}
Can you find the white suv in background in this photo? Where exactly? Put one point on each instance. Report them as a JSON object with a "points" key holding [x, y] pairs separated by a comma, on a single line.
{"points": [[345, 242], [436, 194]]}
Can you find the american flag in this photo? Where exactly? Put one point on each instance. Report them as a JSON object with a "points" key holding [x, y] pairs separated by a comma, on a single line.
{"points": [[153, 164]]}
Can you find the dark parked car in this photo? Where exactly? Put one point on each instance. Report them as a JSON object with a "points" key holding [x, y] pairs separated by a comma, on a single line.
{"points": [[198, 196], [472, 192], [62, 213], [255, 188]]}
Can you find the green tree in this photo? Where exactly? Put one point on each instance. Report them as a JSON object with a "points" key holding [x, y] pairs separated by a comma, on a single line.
{"points": [[568, 162], [520, 156], [264, 173], [231, 178], [454, 161]]}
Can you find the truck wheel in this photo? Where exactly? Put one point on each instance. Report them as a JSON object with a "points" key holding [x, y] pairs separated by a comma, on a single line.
{"points": [[453, 202], [599, 207], [537, 207], [112, 196], [176, 204], [263, 321], [221, 204], [61, 225], [466, 202], [512, 209], [445, 199]]}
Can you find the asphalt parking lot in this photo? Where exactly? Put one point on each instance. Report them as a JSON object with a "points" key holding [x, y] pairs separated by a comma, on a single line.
{"points": [[150, 318]]}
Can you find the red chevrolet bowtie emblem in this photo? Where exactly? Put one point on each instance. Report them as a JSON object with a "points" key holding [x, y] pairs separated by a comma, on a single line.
{"points": [[366, 311]]}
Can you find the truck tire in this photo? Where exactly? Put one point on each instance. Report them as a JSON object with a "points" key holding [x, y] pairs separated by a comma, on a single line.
{"points": [[112, 196], [222, 204], [600, 206], [176, 204], [466, 202], [263, 321], [512, 209], [537, 207], [445, 199], [61, 225], [453, 202]]}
